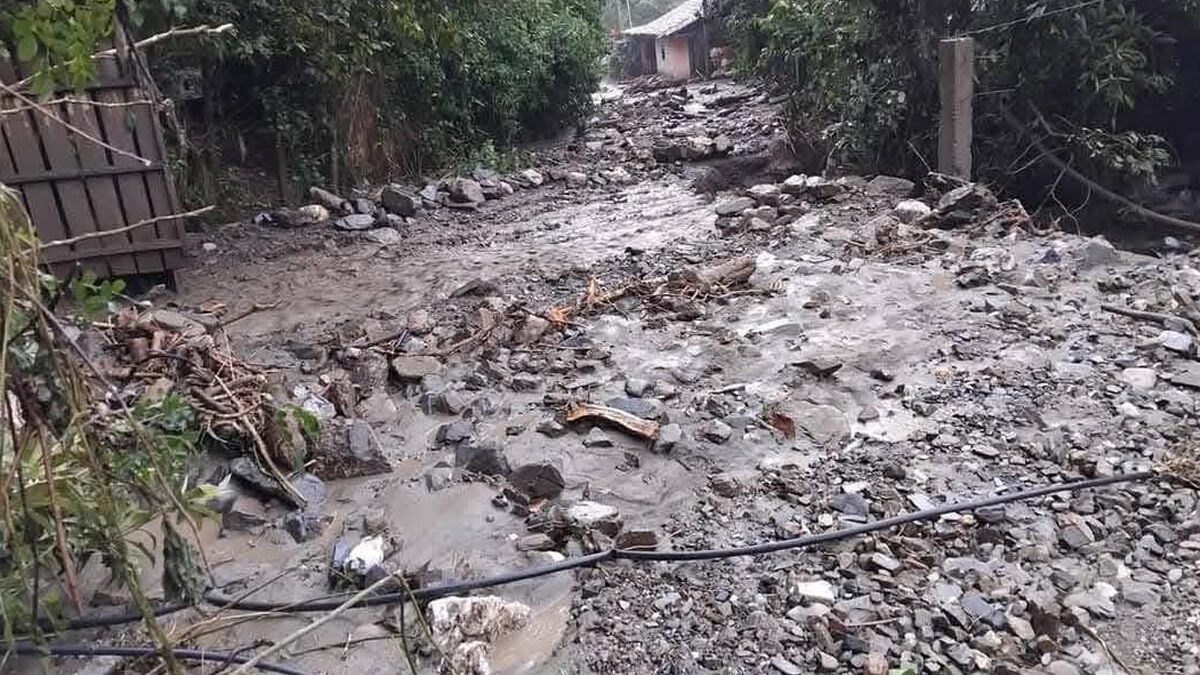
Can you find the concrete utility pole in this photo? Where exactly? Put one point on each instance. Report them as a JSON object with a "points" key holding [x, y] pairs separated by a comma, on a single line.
{"points": [[956, 84]]}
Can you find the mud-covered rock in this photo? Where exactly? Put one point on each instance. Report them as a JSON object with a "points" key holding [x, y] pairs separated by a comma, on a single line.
{"points": [[348, 450], [482, 456], [539, 481]]}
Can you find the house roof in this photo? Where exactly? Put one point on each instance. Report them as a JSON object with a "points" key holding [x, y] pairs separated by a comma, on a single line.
{"points": [[684, 15]]}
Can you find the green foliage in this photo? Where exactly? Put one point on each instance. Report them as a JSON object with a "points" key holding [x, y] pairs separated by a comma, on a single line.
{"points": [[862, 74], [56, 39], [381, 88], [95, 298]]}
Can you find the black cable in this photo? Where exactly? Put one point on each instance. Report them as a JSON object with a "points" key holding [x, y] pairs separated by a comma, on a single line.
{"points": [[182, 654], [333, 602], [676, 556]]}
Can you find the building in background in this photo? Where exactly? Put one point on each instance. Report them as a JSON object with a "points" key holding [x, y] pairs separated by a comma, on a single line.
{"points": [[674, 45]]}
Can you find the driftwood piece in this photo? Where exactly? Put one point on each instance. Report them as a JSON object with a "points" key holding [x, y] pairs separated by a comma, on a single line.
{"points": [[325, 198], [1157, 317], [734, 272], [631, 423]]}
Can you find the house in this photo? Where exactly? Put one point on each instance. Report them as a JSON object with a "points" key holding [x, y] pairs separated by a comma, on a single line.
{"points": [[674, 45]]}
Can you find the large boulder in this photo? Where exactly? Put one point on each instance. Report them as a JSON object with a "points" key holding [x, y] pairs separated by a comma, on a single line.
{"points": [[466, 191], [399, 200]]}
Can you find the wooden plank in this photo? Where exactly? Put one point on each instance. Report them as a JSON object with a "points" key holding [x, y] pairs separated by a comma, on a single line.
{"points": [[59, 254], [72, 195], [42, 204], [173, 229], [131, 189], [80, 173]]}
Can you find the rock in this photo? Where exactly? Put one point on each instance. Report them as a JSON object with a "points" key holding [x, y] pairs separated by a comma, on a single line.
{"points": [[455, 432], [347, 450], [419, 322], [910, 210], [1096, 251], [576, 178], [535, 542], [716, 431], [525, 383], [868, 414], [482, 457], [617, 175], [412, 368], [669, 436], [821, 188], [466, 191], [552, 429], [596, 438], [824, 424], [1061, 668], [636, 387], [374, 521], [245, 513], [311, 488], [795, 185], [588, 515], [728, 484], [209, 247], [645, 408], [539, 481], [304, 526], [734, 207], [532, 329], [247, 471], [364, 205], [1188, 376], [400, 201], [851, 504], [355, 221], [828, 661], [645, 540], [383, 235], [465, 628], [1138, 593], [476, 286], [765, 193], [782, 327], [1139, 379], [1021, 628], [722, 145], [1076, 534], [962, 205], [1175, 341], [885, 562], [439, 477], [815, 591], [784, 666], [890, 185], [531, 177]]}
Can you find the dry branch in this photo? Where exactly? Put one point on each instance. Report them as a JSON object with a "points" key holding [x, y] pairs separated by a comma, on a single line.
{"points": [[76, 130], [127, 228]]}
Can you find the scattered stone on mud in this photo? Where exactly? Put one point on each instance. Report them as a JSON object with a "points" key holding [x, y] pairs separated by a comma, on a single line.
{"points": [[538, 481], [536, 542], [716, 431], [911, 211], [734, 207], [552, 429], [669, 436], [891, 186], [410, 368], [464, 629], [588, 515], [483, 457], [355, 221], [597, 438], [465, 191], [347, 449], [400, 201]]}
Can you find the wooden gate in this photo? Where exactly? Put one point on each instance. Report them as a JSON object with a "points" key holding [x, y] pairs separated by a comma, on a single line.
{"points": [[74, 187]]}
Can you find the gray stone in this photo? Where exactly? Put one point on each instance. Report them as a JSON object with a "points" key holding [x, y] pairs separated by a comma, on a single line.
{"points": [[535, 542], [1138, 593], [412, 368], [815, 591], [1188, 376], [821, 188], [885, 562], [850, 504], [594, 515], [483, 457], [765, 193], [246, 513], [1021, 628], [383, 235], [716, 431], [419, 322], [531, 177], [455, 432], [669, 436], [539, 481], [890, 185], [645, 540], [1175, 341], [466, 191], [597, 438], [795, 185], [347, 450], [551, 428], [784, 327], [400, 201], [645, 408], [303, 526], [828, 661], [1061, 667], [824, 424], [576, 178], [617, 175], [439, 477], [910, 211], [1076, 534], [1139, 379], [785, 666], [636, 387], [355, 221], [734, 207], [1097, 251], [364, 205], [525, 383]]}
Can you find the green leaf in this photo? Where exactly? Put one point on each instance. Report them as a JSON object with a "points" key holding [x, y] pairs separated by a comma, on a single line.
{"points": [[26, 48]]}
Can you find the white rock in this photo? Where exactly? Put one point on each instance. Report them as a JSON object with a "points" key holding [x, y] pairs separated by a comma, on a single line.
{"points": [[366, 554], [795, 185], [383, 235], [465, 628], [1175, 341], [209, 247], [576, 178], [784, 327], [765, 193], [911, 210], [1140, 379], [531, 177], [816, 591]]}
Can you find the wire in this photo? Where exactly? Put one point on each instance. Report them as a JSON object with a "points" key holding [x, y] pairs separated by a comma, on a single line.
{"points": [[333, 602], [182, 654]]}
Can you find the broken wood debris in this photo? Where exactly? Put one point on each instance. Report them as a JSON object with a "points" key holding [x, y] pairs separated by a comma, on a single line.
{"points": [[631, 423]]}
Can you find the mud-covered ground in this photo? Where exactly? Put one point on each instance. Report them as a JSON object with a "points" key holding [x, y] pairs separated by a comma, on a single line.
{"points": [[969, 362]]}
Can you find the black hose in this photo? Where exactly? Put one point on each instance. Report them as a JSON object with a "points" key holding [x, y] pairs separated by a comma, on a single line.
{"points": [[433, 592], [677, 556], [182, 654]]}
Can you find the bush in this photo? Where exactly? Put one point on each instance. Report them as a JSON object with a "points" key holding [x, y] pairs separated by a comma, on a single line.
{"points": [[1096, 78]]}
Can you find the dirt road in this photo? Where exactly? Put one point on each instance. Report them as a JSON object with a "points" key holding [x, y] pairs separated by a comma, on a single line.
{"points": [[868, 367]]}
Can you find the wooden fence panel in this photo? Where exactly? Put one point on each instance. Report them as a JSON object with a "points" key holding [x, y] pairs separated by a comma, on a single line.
{"points": [[73, 186]]}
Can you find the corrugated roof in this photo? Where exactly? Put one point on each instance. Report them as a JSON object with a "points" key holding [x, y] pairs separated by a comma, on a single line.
{"points": [[684, 15]]}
